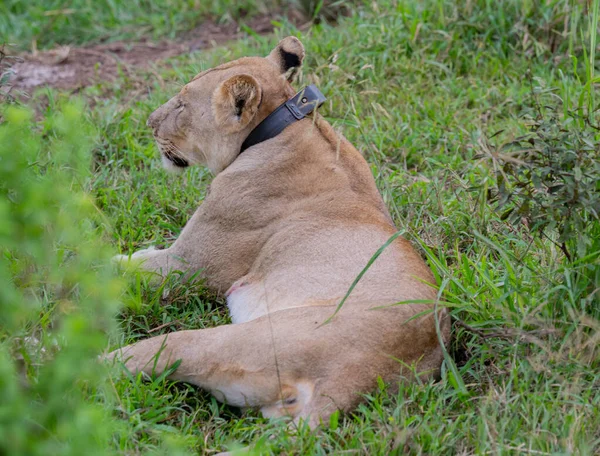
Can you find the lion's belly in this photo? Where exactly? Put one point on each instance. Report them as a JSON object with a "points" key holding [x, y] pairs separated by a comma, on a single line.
{"points": [[318, 269], [250, 300], [245, 302]]}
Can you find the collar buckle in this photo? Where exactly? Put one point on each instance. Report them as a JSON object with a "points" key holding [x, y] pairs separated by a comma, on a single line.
{"points": [[294, 110]]}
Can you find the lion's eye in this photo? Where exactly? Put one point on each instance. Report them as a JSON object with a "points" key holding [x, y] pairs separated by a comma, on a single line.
{"points": [[177, 114]]}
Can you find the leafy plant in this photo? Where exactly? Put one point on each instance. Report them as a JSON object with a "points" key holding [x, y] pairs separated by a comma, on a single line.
{"points": [[549, 179], [57, 293]]}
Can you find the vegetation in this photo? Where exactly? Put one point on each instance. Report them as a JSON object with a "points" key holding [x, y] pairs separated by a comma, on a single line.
{"points": [[81, 21], [479, 119]]}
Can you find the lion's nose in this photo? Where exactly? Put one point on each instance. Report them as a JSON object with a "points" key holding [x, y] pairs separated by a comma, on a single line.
{"points": [[153, 120]]}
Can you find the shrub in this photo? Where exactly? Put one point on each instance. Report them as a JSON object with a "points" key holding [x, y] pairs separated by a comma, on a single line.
{"points": [[549, 179], [57, 294]]}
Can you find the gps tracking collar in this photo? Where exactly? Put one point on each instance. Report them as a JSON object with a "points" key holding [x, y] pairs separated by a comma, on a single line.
{"points": [[296, 108]]}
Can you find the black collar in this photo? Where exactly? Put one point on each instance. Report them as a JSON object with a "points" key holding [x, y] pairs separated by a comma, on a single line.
{"points": [[293, 110]]}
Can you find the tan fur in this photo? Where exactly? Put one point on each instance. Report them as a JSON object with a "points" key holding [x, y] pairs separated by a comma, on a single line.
{"points": [[285, 229]]}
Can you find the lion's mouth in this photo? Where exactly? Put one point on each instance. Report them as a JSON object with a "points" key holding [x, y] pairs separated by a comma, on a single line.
{"points": [[169, 151], [177, 161]]}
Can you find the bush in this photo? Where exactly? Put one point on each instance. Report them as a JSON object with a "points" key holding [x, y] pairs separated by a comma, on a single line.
{"points": [[549, 179], [57, 294]]}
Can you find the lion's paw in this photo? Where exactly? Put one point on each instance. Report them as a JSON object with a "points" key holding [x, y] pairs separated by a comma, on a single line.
{"points": [[134, 258]]}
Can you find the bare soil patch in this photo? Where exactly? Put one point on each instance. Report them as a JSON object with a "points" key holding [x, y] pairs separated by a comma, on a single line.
{"points": [[71, 68]]}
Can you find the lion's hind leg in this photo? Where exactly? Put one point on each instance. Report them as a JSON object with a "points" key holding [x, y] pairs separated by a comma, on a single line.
{"points": [[261, 364], [289, 363]]}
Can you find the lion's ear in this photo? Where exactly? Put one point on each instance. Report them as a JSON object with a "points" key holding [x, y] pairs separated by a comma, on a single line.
{"points": [[288, 56], [236, 101]]}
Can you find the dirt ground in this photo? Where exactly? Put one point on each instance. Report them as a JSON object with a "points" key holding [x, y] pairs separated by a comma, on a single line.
{"points": [[71, 68]]}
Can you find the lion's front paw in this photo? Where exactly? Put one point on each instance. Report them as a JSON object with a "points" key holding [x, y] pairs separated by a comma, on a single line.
{"points": [[135, 258]]}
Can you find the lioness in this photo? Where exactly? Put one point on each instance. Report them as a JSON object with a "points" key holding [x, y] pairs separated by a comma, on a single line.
{"points": [[287, 226]]}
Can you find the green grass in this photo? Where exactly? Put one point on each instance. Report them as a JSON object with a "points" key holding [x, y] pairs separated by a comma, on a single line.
{"points": [[421, 87], [53, 22]]}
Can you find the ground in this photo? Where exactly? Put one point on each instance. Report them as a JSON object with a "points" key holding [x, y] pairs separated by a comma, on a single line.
{"points": [[431, 92]]}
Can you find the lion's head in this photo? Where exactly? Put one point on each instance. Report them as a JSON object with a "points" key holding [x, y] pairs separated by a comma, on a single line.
{"points": [[209, 119]]}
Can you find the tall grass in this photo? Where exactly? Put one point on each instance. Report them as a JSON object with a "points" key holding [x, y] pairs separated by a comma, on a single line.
{"points": [[590, 62]]}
